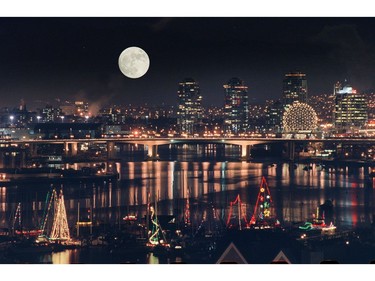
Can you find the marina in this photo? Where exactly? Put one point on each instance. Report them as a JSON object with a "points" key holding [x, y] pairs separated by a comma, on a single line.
{"points": [[187, 214]]}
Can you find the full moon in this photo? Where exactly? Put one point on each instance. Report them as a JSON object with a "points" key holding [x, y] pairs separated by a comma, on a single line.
{"points": [[134, 62]]}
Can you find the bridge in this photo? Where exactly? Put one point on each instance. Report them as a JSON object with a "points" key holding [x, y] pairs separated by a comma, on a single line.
{"points": [[152, 144]]}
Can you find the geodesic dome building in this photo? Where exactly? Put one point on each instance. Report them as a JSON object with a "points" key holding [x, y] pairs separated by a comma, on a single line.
{"points": [[300, 117]]}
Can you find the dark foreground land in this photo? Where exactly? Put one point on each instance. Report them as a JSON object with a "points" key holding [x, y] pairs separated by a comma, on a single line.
{"points": [[251, 246]]}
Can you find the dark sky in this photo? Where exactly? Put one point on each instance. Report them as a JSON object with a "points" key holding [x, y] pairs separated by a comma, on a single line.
{"points": [[42, 59]]}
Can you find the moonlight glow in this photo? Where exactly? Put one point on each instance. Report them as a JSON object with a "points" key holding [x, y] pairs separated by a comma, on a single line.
{"points": [[134, 62]]}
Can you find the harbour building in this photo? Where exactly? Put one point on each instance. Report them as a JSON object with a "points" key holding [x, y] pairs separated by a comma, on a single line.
{"points": [[350, 111]]}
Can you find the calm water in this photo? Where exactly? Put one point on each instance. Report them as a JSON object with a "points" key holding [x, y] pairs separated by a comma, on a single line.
{"points": [[211, 186]]}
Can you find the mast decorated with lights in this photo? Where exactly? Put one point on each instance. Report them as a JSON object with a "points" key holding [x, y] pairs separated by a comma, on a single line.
{"points": [[60, 228], [241, 211], [51, 199], [262, 211], [187, 209], [157, 231], [17, 216]]}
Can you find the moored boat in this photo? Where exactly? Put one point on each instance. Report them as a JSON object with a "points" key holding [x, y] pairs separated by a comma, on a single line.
{"points": [[318, 223]]}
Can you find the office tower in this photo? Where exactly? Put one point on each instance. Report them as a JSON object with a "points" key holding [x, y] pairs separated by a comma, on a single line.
{"points": [[294, 88], [274, 112], [236, 107], [350, 111], [190, 110]]}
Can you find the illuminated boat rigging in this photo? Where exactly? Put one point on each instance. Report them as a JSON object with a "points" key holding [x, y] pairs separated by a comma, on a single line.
{"points": [[211, 224], [50, 202], [263, 215], [60, 228], [54, 225], [187, 209], [237, 214], [17, 227], [156, 235], [318, 223]]}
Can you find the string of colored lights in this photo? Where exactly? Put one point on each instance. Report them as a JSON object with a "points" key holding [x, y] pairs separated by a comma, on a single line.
{"points": [[60, 227], [51, 197], [299, 117], [187, 209], [17, 215], [241, 212], [262, 207], [154, 239], [46, 204]]}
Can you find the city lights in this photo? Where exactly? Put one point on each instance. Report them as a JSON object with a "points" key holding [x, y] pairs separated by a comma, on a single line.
{"points": [[299, 117], [247, 141]]}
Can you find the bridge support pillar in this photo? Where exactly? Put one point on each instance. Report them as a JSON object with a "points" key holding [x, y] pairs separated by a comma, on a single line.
{"points": [[74, 149], [33, 149], [23, 159], [291, 150], [70, 148], [66, 148], [152, 151], [110, 150], [245, 151]]}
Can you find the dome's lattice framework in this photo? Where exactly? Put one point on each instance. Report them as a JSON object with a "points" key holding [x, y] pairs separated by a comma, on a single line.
{"points": [[299, 117]]}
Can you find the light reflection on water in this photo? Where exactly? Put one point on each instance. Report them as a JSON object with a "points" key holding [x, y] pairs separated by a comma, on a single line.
{"points": [[296, 193], [95, 257], [64, 257]]}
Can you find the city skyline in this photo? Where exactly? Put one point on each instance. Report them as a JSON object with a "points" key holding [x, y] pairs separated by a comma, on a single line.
{"points": [[75, 58], [249, 139]]}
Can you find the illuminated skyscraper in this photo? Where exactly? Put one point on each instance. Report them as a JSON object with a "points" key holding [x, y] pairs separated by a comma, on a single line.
{"points": [[350, 111], [294, 88], [274, 113], [190, 110], [236, 107]]}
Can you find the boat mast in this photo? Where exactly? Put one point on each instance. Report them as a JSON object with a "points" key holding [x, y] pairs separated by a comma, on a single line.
{"points": [[78, 218], [148, 207], [239, 212], [60, 227], [17, 215]]}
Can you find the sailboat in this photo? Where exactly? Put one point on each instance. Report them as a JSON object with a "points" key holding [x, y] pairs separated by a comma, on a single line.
{"points": [[157, 241], [263, 216], [17, 226], [60, 229], [27, 244], [59, 232], [318, 223], [239, 221], [49, 206]]}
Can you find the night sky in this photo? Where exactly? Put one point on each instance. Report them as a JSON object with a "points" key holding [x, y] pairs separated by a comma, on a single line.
{"points": [[42, 59]]}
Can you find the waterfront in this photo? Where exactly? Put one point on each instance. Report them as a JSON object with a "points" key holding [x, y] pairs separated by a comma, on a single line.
{"points": [[297, 192], [211, 185]]}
